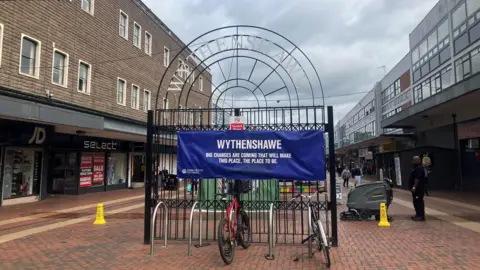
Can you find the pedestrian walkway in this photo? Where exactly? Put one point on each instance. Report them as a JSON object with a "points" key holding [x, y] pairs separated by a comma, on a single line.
{"points": [[69, 240]]}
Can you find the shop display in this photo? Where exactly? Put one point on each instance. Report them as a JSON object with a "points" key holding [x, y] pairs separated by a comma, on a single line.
{"points": [[117, 169], [86, 170], [18, 175]]}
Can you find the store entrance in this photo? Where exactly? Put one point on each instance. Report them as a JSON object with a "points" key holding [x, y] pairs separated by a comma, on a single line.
{"points": [[63, 173], [22, 172], [138, 170]]}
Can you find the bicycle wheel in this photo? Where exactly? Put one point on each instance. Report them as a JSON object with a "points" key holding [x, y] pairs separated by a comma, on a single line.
{"points": [[316, 230], [323, 244], [244, 230], [326, 254], [226, 247]]}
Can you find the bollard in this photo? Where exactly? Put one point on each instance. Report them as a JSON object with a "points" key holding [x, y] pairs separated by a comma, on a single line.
{"points": [[383, 216], [100, 219]]}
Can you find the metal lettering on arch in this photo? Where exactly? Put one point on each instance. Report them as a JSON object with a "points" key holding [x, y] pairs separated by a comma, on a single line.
{"points": [[265, 79]]}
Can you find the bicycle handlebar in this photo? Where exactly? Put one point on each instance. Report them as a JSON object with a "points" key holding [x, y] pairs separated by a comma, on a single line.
{"points": [[305, 196]]}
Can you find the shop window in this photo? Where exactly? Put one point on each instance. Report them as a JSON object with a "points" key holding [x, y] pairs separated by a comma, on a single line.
{"points": [[22, 173], [64, 174], [92, 169], [117, 169]]}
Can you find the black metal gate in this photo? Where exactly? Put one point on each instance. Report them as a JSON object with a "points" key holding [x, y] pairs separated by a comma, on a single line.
{"points": [[164, 124]]}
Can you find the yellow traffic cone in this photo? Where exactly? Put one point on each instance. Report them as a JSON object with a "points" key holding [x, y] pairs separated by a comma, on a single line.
{"points": [[100, 219], [383, 216]]}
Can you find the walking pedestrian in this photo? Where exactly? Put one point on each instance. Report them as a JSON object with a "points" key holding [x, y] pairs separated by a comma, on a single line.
{"points": [[417, 187], [358, 176], [195, 186], [346, 176]]}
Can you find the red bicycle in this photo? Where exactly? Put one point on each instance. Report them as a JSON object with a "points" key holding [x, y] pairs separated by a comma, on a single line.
{"points": [[235, 226]]}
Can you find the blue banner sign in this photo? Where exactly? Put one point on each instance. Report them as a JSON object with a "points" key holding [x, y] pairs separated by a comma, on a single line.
{"points": [[284, 155]]}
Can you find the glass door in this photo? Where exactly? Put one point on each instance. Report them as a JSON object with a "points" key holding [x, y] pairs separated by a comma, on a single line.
{"points": [[64, 173]]}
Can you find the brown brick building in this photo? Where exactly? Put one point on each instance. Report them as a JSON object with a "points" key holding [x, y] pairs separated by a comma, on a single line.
{"points": [[76, 80]]}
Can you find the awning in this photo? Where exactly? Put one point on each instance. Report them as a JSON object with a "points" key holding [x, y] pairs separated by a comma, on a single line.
{"points": [[376, 141], [461, 99]]}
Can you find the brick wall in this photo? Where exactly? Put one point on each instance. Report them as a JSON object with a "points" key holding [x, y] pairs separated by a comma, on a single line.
{"points": [[94, 39]]}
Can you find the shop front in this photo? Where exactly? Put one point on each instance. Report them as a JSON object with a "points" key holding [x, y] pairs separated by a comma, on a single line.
{"points": [[469, 137], [83, 165], [23, 147]]}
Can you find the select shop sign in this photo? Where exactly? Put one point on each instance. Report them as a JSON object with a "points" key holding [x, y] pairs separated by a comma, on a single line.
{"points": [[100, 145]]}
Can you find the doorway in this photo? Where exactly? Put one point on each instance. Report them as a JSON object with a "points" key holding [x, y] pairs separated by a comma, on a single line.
{"points": [[138, 170], [64, 172]]}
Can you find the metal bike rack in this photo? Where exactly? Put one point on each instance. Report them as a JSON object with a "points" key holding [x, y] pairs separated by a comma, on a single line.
{"points": [[271, 235], [310, 229], [190, 233], [152, 228]]}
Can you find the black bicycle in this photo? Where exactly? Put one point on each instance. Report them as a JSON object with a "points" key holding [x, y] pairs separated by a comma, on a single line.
{"points": [[318, 235]]}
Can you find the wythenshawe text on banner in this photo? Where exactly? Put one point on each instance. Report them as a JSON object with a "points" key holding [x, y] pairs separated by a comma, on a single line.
{"points": [[289, 155]]}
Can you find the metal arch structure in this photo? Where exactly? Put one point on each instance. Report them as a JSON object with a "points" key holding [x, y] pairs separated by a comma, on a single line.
{"points": [[196, 107]]}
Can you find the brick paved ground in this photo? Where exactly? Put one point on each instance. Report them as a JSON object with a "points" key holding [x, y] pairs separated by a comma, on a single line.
{"points": [[435, 244]]}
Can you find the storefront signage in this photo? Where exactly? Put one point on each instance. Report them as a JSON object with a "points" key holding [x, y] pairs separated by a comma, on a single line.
{"points": [[98, 168], [86, 173], [38, 137], [100, 145], [17, 133], [252, 155]]}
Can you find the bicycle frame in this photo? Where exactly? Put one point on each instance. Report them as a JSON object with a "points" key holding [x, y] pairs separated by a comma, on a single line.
{"points": [[232, 217]]}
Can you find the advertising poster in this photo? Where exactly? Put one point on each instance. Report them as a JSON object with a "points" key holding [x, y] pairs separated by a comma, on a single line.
{"points": [[98, 168], [252, 155], [86, 173], [398, 171]]}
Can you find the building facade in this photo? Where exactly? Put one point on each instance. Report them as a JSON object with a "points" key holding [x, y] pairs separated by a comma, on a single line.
{"points": [[76, 81], [434, 105]]}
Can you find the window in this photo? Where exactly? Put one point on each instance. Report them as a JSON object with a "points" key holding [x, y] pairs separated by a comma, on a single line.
{"points": [[60, 68], [84, 77], [137, 35], [185, 73], [30, 56], [472, 6], [166, 56], [397, 87], [443, 30], [121, 91], [123, 29], [135, 97], [462, 68], [201, 83], [165, 107], [432, 40], [192, 75], [426, 91], [1, 42], [415, 55], [435, 84], [88, 5], [417, 93], [148, 43], [200, 116], [117, 169], [475, 58], [179, 71], [423, 48], [146, 100], [180, 115], [446, 77], [459, 16]]}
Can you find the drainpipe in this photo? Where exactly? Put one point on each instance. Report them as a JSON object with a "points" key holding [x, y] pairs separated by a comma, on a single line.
{"points": [[457, 153]]}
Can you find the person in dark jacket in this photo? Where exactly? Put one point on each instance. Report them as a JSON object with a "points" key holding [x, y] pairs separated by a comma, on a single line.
{"points": [[417, 187]]}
